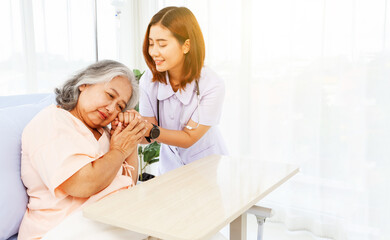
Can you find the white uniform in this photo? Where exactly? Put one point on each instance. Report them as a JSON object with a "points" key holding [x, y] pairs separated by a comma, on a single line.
{"points": [[177, 108]]}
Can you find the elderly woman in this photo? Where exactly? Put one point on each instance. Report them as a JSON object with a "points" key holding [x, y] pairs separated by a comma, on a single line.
{"points": [[70, 159]]}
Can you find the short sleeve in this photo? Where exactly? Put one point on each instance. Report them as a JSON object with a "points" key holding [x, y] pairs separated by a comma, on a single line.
{"points": [[210, 106], [145, 102], [57, 150]]}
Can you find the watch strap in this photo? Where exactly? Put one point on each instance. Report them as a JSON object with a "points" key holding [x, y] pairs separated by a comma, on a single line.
{"points": [[149, 139]]}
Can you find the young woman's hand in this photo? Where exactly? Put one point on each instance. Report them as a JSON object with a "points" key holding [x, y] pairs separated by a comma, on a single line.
{"points": [[125, 118]]}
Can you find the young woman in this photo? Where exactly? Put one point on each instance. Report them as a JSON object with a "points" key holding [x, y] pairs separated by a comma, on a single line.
{"points": [[180, 98]]}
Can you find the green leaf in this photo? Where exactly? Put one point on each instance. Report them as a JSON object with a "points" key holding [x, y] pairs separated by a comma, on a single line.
{"points": [[138, 74], [158, 150], [149, 155], [154, 160], [155, 146]]}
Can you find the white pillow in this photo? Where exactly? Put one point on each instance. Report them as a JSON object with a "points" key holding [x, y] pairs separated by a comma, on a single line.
{"points": [[13, 197]]}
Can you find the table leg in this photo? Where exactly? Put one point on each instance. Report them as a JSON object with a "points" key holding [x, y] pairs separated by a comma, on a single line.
{"points": [[238, 228], [261, 214], [260, 226]]}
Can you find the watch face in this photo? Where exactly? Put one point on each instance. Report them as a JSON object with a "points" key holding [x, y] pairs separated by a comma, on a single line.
{"points": [[154, 132]]}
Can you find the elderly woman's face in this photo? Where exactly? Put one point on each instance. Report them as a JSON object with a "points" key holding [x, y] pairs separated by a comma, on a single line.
{"points": [[100, 104]]}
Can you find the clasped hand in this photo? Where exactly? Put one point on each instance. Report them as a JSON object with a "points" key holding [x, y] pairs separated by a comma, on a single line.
{"points": [[127, 131]]}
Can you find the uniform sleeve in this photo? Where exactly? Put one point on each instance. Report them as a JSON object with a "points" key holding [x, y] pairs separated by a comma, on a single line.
{"points": [[145, 103], [210, 106], [57, 151]]}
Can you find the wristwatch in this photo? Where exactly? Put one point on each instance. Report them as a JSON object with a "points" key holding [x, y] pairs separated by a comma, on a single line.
{"points": [[154, 133]]}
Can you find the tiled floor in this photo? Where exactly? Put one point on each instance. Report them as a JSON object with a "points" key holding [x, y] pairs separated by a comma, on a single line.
{"points": [[273, 231]]}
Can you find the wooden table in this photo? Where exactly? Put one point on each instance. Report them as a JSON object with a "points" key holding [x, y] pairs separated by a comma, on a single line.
{"points": [[194, 201]]}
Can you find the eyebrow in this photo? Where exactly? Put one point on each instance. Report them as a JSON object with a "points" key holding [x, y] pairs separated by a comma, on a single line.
{"points": [[159, 40], [116, 92]]}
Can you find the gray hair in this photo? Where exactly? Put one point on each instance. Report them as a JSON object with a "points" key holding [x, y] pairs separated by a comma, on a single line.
{"points": [[103, 71]]}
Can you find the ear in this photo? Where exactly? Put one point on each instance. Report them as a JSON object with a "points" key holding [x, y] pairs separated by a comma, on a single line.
{"points": [[186, 46], [82, 87]]}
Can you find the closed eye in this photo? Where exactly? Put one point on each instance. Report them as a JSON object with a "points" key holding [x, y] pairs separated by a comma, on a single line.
{"points": [[110, 95]]}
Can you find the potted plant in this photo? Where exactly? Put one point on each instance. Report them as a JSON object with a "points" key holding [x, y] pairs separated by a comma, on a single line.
{"points": [[147, 154]]}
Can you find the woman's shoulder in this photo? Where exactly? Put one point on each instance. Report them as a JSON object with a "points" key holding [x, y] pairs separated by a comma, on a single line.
{"points": [[146, 80], [50, 119], [210, 79], [41, 127], [45, 116]]}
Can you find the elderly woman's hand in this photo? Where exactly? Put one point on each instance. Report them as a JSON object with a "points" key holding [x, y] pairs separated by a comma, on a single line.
{"points": [[125, 139]]}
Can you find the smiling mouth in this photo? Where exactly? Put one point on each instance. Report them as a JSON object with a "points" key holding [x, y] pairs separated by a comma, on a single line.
{"points": [[102, 115], [158, 62]]}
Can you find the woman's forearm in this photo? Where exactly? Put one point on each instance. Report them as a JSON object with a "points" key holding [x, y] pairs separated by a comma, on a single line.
{"points": [[173, 137], [95, 176], [181, 138], [178, 138], [132, 160]]}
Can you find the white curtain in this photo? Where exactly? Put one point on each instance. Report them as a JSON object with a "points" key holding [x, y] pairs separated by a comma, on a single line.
{"points": [[307, 83], [42, 42]]}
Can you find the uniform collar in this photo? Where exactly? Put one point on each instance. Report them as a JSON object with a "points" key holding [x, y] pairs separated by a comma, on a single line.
{"points": [[165, 91]]}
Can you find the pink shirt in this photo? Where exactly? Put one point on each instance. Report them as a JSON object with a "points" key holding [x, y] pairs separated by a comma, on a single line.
{"points": [[55, 145]]}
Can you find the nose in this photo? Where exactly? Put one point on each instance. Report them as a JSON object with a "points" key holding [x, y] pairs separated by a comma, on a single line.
{"points": [[111, 107], [153, 51]]}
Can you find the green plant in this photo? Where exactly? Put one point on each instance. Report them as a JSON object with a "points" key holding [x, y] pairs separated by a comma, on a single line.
{"points": [[148, 154], [138, 75]]}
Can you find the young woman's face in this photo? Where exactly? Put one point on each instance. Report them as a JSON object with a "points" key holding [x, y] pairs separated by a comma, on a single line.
{"points": [[99, 104], [166, 51]]}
